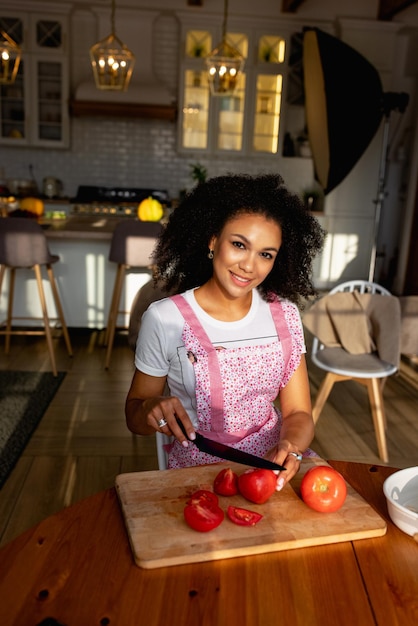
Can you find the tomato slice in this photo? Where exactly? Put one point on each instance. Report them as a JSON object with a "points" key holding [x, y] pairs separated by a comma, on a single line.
{"points": [[202, 496], [203, 516], [243, 517], [226, 483]]}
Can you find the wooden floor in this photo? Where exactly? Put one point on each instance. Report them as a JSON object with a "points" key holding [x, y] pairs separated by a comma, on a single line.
{"points": [[82, 442]]}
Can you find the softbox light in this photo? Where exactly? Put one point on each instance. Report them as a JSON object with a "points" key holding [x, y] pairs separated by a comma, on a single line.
{"points": [[344, 103]]}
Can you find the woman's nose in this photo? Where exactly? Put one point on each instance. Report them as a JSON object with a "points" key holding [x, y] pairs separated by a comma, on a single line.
{"points": [[247, 263]]}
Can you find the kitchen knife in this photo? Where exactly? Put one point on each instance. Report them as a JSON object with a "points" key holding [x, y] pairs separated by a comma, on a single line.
{"points": [[230, 454]]}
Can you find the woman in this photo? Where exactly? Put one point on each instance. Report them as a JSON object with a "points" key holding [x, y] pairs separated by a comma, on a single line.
{"points": [[239, 250]]}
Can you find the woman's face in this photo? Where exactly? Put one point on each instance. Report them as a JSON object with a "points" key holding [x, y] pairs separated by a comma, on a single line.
{"points": [[244, 253]]}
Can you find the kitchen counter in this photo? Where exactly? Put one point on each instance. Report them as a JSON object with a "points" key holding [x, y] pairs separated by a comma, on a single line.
{"points": [[80, 227], [84, 274]]}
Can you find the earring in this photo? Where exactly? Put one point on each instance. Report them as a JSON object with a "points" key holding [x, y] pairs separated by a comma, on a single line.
{"points": [[210, 254]]}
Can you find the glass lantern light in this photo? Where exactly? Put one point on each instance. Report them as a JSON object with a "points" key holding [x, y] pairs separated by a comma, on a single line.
{"points": [[112, 61], [10, 54], [224, 64]]}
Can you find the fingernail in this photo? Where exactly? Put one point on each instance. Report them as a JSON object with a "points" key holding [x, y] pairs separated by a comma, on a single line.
{"points": [[280, 484], [192, 436], [185, 443]]}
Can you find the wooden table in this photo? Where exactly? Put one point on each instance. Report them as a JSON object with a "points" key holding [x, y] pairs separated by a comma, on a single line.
{"points": [[76, 568]]}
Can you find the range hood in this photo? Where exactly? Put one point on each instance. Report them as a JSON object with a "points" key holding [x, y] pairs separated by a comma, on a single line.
{"points": [[142, 99], [147, 96]]}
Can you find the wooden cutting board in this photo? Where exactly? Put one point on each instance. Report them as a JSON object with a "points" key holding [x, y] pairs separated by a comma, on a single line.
{"points": [[153, 502]]}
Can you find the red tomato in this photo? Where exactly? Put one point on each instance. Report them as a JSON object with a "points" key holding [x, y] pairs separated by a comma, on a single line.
{"points": [[243, 517], [202, 496], [226, 483], [203, 516], [257, 485], [323, 489]]}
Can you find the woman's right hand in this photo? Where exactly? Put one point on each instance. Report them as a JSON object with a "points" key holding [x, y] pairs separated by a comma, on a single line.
{"points": [[147, 409], [162, 413]]}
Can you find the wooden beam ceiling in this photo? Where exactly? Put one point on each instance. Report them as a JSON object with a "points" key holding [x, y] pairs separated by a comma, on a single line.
{"points": [[389, 8], [386, 11], [291, 6]]}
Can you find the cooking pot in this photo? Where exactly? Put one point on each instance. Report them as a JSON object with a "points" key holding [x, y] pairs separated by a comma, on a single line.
{"points": [[52, 187], [22, 187]]}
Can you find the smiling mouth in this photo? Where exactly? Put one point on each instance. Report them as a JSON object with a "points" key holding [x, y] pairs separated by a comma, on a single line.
{"points": [[239, 279]]}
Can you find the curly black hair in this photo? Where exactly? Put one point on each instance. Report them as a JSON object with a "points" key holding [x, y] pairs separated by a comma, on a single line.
{"points": [[181, 254]]}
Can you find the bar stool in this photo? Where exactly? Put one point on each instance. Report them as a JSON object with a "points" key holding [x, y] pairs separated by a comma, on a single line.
{"points": [[132, 245], [23, 245]]}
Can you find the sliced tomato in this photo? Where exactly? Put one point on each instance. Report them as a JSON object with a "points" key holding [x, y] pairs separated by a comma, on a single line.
{"points": [[226, 483], [202, 496], [243, 517], [203, 516]]}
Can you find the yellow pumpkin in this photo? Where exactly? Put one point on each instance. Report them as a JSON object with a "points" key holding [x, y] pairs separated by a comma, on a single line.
{"points": [[34, 205], [150, 210]]}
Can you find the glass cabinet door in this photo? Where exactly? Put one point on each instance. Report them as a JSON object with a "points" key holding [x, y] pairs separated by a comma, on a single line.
{"points": [[49, 90], [269, 85], [12, 108], [231, 118], [33, 110], [195, 110], [12, 96], [267, 115]]}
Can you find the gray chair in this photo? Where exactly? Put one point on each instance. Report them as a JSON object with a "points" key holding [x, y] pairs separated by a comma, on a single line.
{"points": [[367, 369], [23, 245], [131, 247]]}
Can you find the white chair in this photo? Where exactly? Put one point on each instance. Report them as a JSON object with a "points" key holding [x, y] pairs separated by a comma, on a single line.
{"points": [[366, 369]]}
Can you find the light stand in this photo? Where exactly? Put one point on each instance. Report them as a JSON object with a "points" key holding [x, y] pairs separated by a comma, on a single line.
{"points": [[391, 102]]}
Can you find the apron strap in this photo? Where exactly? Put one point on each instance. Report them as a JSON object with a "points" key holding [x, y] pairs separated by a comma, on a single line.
{"points": [[215, 379], [283, 332]]}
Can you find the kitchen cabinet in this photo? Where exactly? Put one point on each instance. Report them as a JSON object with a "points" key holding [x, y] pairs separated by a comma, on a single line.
{"points": [[34, 109], [245, 123]]}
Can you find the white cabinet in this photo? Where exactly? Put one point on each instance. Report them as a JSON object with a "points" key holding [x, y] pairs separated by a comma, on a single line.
{"points": [[246, 123], [34, 109]]}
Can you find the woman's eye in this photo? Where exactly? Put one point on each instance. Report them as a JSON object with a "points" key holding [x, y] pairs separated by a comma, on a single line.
{"points": [[238, 244], [267, 255]]}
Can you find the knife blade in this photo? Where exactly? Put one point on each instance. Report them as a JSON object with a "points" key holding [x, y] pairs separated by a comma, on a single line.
{"points": [[221, 450]]}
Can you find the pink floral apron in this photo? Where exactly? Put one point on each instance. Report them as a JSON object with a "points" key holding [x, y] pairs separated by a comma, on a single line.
{"points": [[235, 389]]}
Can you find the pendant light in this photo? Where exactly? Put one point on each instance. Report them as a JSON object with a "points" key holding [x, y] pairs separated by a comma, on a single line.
{"points": [[10, 54], [224, 64], [112, 61]]}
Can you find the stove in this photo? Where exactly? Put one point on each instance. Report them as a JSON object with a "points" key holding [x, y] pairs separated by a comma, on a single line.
{"points": [[114, 201]]}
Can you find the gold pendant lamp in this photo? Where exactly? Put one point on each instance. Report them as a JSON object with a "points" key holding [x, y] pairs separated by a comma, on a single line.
{"points": [[224, 64], [112, 61]]}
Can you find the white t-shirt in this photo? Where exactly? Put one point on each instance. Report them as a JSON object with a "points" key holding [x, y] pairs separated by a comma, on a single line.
{"points": [[160, 350]]}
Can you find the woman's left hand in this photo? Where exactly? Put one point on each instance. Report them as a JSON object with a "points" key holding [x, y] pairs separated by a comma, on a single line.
{"points": [[287, 455]]}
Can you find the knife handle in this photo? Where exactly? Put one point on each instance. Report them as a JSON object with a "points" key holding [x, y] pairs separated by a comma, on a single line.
{"points": [[183, 430]]}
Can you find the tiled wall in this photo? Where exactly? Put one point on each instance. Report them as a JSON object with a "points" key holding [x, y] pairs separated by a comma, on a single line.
{"points": [[135, 153]]}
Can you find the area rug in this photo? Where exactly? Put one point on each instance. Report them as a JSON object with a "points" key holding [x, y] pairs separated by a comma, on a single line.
{"points": [[24, 398]]}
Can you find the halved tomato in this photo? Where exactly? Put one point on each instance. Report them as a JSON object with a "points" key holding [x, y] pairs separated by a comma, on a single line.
{"points": [[203, 516], [226, 483], [202, 496], [243, 517]]}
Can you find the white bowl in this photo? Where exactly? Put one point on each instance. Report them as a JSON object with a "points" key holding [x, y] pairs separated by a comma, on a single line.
{"points": [[401, 491]]}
